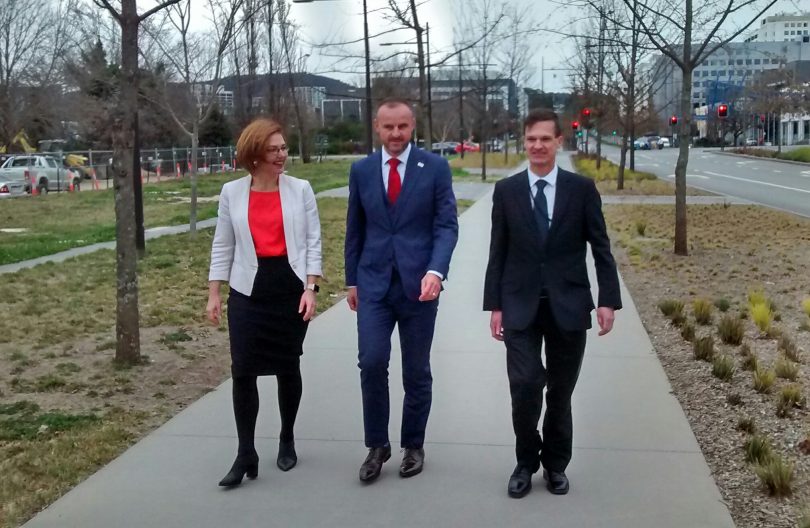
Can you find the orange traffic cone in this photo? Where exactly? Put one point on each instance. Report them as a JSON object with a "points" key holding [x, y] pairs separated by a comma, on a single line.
{"points": [[179, 176], [30, 178], [157, 171], [95, 180], [223, 165]]}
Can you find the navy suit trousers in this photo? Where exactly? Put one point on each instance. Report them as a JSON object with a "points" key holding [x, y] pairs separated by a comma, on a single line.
{"points": [[375, 325]]}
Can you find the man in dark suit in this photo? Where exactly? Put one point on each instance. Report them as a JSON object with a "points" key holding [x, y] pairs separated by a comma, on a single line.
{"points": [[538, 291], [401, 229]]}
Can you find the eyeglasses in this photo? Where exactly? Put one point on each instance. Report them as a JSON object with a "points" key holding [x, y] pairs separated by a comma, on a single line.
{"points": [[274, 150]]}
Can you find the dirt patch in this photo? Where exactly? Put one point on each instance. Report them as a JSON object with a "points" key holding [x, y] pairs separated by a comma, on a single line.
{"points": [[733, 250]]}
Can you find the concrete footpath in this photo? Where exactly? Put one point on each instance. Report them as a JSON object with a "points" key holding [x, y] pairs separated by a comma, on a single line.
{"points": [[636, 462]]}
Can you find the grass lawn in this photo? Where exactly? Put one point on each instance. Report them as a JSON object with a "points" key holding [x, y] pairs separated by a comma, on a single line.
{"points": [[798, 154], [62, 221], [635, 182], [495, 160]]}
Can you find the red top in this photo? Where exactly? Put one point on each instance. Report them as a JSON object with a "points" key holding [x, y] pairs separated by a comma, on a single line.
{"points": [[266, 224]]}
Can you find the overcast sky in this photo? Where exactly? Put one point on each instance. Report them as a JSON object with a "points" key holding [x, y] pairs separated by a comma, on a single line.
{"points": [[342, 21]]}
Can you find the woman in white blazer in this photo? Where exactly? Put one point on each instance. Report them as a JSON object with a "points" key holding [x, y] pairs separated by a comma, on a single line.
{"points": [[267, 246]]}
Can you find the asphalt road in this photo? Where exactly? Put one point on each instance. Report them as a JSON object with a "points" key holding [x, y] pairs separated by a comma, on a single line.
{"points": [[782, 186]]}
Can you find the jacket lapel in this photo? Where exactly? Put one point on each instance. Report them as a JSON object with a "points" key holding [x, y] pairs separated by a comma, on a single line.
{"points": [[522, 195], [560, 201], [413, 171], [288, 213], [240, 203]]}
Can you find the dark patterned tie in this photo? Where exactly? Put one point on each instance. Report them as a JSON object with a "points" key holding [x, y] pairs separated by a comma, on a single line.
{"points": [[394, 181], [541, 210]]}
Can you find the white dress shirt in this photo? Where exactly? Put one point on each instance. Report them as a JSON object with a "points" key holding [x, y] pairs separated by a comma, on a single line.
{"points": [[549, 190], [386, 168]]}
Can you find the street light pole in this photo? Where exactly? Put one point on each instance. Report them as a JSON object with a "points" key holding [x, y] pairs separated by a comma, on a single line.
{"points": [[369, 141]]}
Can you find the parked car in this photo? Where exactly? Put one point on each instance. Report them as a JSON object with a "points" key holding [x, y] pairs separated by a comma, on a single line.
{"points": [[42, 171], [444, 147], [663, 142], [495, 145], [468, 146], [641, 144], [9, 187], [751, 142]]}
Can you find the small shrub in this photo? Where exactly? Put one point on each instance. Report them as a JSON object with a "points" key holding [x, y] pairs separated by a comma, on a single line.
{"points": [[786, 369], [703, 348], [723, 367], [688, 332], [722, 304], [641, 227], [669, 307], [774, 332], [763, 380], [746, 425], [702, 309], [731, 330], [734, 399], [678, 319], [762, 316], [777, 476], [757, 450], [787, 346]]}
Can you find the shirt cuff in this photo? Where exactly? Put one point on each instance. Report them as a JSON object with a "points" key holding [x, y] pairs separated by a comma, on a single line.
{"points": [[441, 277]]}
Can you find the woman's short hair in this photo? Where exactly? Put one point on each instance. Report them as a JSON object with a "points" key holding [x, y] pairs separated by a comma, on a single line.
{"points": [[252, 141]]}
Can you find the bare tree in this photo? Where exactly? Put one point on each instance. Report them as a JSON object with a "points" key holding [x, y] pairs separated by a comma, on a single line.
{"points": [[515, 57], [195, 59], [687, 33], [125, 126]]}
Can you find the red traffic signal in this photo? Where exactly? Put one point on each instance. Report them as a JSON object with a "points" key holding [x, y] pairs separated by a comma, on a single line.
{"points": [[722, 110], [673, 120], [575, 125], [586, 113]]}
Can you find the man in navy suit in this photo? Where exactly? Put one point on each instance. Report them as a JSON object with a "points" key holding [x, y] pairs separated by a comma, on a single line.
{"points": [[401, 229], [538, 291]]}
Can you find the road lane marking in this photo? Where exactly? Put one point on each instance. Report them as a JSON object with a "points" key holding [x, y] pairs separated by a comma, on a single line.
{"points": [[777, 171], [759, 182], [690, 176]]}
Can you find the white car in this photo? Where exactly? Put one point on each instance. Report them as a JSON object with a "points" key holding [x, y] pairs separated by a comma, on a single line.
{"points": [[663, 142]]}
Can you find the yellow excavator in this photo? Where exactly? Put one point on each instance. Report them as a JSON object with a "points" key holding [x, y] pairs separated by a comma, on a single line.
{"points": [[22, 140]]}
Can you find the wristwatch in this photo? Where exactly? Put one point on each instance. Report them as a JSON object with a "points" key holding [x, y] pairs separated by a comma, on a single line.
{"points": [[314, 287]]}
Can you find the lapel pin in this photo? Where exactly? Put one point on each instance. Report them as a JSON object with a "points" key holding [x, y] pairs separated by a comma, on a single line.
{"points": [[420, 164]]}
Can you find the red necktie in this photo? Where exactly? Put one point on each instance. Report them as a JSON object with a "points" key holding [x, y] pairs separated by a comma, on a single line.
{"points": [[394, 181]]}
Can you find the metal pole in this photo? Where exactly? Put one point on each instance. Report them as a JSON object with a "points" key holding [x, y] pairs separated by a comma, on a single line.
{"points": [[429, 141], [369, 141]]}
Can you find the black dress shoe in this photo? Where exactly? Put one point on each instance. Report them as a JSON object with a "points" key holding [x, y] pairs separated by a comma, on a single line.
{"points": [[520, 483], [372, 466], [287, 458], [557, 482], [412, 462], [243, 465]]}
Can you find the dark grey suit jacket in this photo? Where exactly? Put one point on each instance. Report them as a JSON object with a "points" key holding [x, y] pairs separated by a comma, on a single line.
{"points": [[520, 268]]}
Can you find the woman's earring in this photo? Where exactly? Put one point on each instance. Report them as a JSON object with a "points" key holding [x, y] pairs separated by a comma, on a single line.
{"points": [[255, 163]]}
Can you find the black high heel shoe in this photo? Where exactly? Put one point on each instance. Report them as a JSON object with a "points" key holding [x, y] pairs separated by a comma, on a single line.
{"points": [[243, 466], [287, 458]]}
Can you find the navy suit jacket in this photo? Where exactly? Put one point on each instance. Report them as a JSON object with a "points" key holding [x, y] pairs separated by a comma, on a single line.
{"points": [[520, 267], [415, 235]]}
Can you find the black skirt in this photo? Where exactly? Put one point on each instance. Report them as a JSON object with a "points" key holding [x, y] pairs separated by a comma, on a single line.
{"points": [[266, 331]]}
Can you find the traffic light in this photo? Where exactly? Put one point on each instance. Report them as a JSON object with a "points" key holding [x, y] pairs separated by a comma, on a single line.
{"points": [[722, 111], [586, 113], [575, 126], [614, 132], [673, 120]]}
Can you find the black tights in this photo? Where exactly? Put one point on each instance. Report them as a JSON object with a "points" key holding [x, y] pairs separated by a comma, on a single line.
{"points": [[246, 408]]}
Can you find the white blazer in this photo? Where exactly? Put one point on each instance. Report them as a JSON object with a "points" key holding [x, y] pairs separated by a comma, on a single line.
{"points": [[233, 255]]}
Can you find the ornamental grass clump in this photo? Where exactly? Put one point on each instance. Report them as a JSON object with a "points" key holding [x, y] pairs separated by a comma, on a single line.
{"points": [[757, 449], [806, 306], [731, 330], [669, 307], [786, 369], [702, 309], [746, 425], [703, 348], [790, 397], [723, 367], [688, 331], [762, 316], [777, 475], [788, 347], [763, 380]]}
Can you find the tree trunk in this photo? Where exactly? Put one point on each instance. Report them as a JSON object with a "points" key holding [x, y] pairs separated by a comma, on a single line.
{"points": [[195, 145], [423, 97], [681, 245], [622, 161], [125, 121]]}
